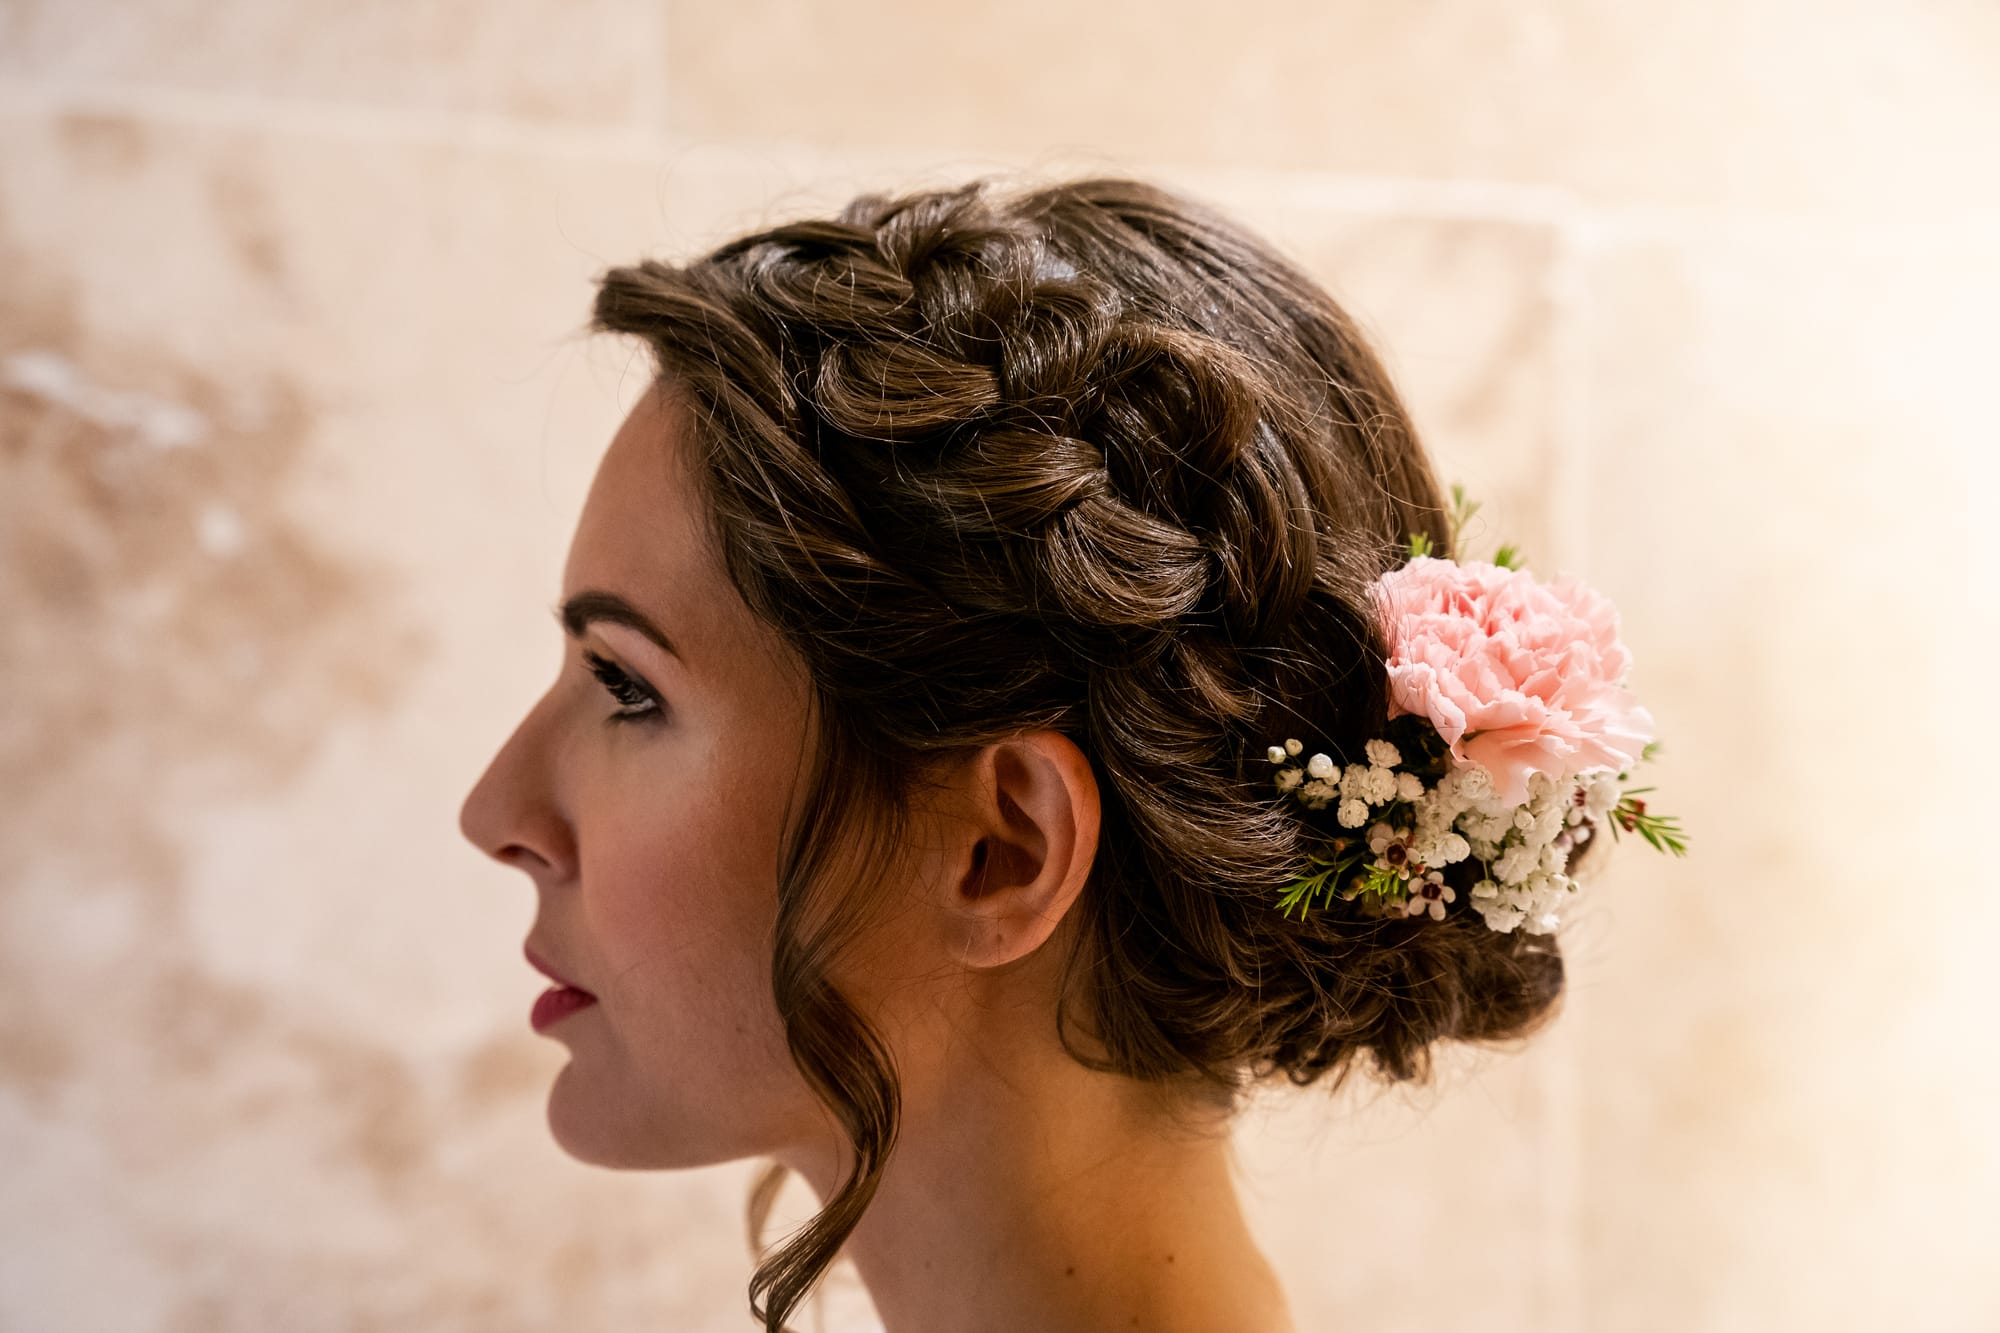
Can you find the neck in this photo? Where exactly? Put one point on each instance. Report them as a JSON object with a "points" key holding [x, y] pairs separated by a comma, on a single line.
{"points": [[1026, 1191]]}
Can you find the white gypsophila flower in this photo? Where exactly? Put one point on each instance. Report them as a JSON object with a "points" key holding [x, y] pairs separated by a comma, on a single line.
{"points": [[1383, 753], [1601, 792], [1277, 753], [1542, 914], [1353, 813], [1316, 793], [1294, 746], [1452, 802], [1545, 894], [1447, 848], [1525, 837], [1431, 851], [1431, 821], [1515, 864], [1499, 914], [1288, 779], [1482, 827], [1320, 766], [1352, 781], [1555, 820], [1409, 786], [1572, 804], [1381, 786], [1474, 781], [1479, 795], [1533, 905]]}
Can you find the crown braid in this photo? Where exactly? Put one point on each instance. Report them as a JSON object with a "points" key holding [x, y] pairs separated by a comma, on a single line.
{"points": [[1091, 458]]}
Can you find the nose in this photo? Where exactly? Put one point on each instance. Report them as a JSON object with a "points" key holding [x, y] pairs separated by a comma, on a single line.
{"points": [[512, 812]]}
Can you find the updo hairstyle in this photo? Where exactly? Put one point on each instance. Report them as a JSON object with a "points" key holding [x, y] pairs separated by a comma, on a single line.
{"points": [[1087, 456]]}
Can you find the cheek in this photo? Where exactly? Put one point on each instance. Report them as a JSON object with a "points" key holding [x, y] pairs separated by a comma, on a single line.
{"points": [[681, 905], [685, 1063]]}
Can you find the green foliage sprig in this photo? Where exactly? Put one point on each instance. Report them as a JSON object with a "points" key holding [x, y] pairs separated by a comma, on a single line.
{"points": [[1462, 510]]}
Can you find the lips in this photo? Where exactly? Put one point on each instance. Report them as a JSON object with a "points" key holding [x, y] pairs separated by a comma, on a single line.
{"points": [[543, 966]]}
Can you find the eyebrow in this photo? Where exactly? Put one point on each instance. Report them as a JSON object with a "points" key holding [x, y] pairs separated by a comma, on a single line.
{"points": [[579, 612]]}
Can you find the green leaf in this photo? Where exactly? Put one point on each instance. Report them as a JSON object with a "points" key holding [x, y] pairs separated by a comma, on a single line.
{"points": [[1462, 511], [1508, 557]]}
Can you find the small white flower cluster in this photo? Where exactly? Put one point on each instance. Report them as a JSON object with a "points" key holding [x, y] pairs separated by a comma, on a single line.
{"points": [[1360, 786], [1526, 848]]}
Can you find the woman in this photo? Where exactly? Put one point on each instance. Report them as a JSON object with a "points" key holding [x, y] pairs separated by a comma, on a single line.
{"points": [[903, 813]]}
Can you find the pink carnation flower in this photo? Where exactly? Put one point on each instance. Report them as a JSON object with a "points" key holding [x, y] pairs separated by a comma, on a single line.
{"points": [[1519, 677]]}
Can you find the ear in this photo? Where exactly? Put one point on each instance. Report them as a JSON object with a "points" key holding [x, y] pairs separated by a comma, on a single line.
{"points": [[1025, 848]]}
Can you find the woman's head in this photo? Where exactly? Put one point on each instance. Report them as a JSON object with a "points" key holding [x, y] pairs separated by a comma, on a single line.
{"points": [[1073, 492]]}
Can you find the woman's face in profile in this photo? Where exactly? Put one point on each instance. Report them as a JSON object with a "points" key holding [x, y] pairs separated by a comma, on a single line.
{"points": [[643, 795]]}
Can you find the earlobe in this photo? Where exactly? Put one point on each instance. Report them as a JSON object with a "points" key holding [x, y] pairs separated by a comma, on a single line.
{"points": [[1034, 820]]}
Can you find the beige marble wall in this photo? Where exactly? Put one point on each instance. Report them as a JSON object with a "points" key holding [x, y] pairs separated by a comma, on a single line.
{"points": [[294, 421]]}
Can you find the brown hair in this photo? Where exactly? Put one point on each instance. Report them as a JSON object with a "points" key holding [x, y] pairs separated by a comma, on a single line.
{"points": [[1087, 456]]}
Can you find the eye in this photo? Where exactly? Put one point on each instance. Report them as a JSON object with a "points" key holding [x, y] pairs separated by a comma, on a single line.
{"points": [[634, 698]]}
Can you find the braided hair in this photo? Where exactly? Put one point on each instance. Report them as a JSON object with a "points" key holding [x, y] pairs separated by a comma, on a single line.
{"points": [[1087, 456]]}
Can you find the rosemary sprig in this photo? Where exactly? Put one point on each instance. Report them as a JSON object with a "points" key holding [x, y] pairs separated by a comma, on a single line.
{"points": [[1314, 890]]}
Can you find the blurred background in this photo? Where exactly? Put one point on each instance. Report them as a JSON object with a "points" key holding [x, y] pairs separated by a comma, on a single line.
{"points": [[295, 420]]}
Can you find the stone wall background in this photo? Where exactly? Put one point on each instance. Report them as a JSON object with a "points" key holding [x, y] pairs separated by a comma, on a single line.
{"points": [[295, 420]]}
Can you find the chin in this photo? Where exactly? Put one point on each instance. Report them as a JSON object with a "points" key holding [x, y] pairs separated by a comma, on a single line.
{"points": [[627, 1136]]}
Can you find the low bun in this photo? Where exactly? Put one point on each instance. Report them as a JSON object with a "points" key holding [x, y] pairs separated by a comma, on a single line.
{"points": [[1088, 457]]}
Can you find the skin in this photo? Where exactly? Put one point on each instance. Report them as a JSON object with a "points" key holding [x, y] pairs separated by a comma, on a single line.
{"points": [[1024, 1191]]}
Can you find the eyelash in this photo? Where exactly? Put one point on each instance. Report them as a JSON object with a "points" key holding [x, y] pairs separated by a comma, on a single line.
{"points": [[637, 701]]}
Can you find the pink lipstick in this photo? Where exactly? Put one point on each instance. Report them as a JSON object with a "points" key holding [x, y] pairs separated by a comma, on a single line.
{"points": [[557, 1003]]}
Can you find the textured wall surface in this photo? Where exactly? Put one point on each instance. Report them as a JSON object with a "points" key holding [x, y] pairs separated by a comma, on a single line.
{"points": [[295, 420]]}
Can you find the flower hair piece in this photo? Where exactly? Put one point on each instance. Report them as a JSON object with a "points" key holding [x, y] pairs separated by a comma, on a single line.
{"points": [[1511, 738]]}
